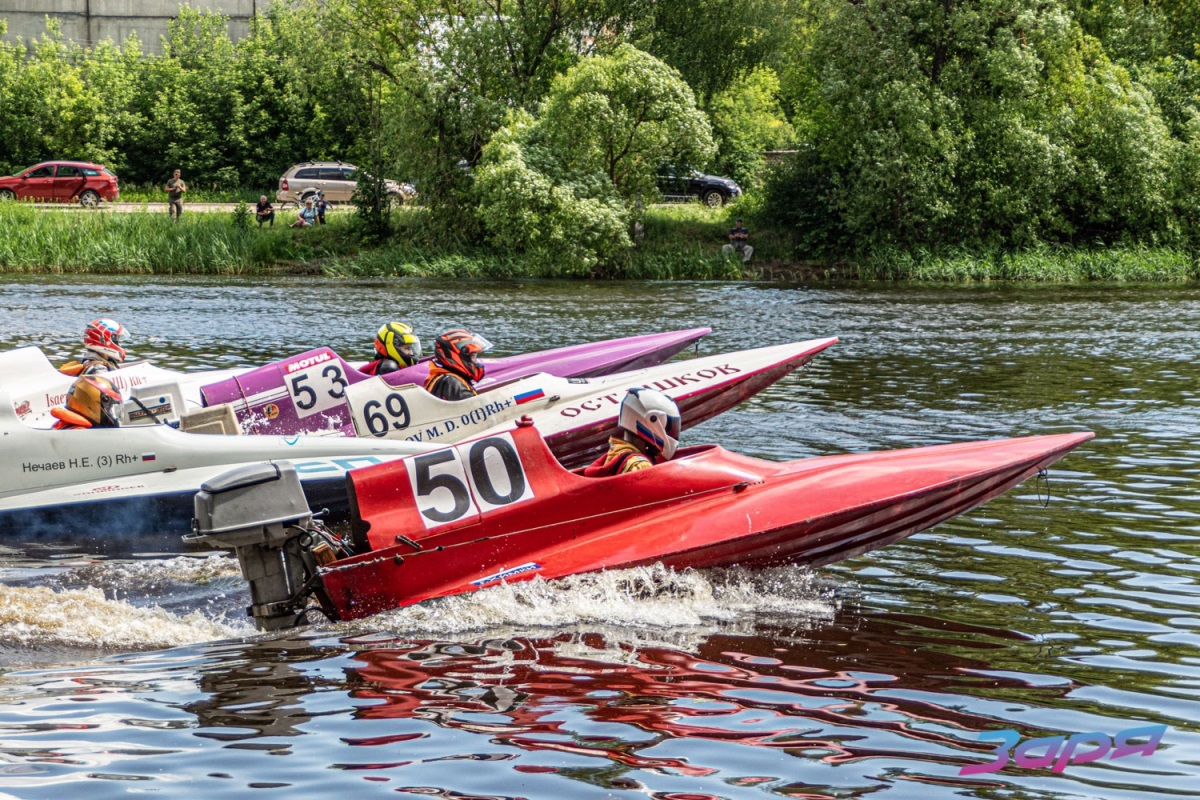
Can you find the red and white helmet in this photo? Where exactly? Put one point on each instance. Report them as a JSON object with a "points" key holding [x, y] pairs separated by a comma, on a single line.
{"points": [[652, 417], [103, 337]]}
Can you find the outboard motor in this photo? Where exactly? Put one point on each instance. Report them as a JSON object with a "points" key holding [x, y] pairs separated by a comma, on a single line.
{"points": [[260, 512]]}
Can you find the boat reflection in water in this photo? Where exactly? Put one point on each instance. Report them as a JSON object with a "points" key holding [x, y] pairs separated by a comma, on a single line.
{"points": [[813, 701]]}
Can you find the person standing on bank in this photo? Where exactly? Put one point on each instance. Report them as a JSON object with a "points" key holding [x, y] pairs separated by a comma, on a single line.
{"points": [[175, 189], [321, 206], [739, 239]]}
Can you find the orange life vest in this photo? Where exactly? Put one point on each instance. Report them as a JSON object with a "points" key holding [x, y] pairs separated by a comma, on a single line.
{"points": [[622, 457], [68, 419]]}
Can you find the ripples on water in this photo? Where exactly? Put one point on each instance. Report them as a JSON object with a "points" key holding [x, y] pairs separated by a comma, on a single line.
{"points": [[875, 677]]}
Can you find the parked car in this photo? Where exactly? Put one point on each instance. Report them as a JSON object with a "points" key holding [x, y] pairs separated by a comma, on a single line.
{"points": [[335, 179], [685, 183], [62, 181]]}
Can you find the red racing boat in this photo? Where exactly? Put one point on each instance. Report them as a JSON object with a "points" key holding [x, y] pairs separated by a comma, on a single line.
{"points": [[501, 508]]}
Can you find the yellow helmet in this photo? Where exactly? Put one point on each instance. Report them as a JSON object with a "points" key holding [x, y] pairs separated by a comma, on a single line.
{"points": [[396, 341]]}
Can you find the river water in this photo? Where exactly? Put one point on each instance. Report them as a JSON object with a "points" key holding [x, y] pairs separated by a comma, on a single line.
{"points": [[884, 676]]}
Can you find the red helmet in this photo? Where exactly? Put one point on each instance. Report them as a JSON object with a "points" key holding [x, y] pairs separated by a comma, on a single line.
{"points": [[94, 398], [457, 351], [103, 337]]}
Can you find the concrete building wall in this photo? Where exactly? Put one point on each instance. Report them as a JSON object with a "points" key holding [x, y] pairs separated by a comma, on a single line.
{"points": [[89, 22]]}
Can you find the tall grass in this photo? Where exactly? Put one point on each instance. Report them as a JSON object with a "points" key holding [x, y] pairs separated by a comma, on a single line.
{"points": [[39, 240], [680, 242], [196, 193], [1117, 264]]}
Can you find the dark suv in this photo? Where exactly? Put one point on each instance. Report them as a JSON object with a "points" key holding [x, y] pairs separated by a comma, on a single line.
{"points": [[685, 183]]}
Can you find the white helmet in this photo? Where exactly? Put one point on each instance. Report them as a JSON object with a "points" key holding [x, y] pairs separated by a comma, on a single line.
{"points": [[652, 417]]}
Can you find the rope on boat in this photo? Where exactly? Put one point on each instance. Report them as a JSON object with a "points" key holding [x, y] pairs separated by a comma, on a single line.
{"points": [[1043, 476]]}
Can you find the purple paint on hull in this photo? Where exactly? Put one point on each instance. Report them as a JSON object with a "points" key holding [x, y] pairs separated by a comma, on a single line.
{"points": [[305, 393]]}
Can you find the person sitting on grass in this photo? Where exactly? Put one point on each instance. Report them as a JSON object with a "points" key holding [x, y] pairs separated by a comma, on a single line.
{"points": [[739, 240], [308, 216]]}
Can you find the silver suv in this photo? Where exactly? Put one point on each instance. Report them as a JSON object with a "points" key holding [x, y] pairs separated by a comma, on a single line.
{"points": [[335, 179]]}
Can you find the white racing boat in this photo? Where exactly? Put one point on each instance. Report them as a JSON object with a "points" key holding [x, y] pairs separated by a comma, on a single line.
{"points": [[575, 415], [119, 487], [105, 486], [35, 386]]}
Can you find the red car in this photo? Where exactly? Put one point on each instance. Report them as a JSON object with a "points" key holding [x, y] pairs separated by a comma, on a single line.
{"points": [[62, 181]]}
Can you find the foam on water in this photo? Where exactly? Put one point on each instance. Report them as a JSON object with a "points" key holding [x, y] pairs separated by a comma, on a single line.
{"points": [[128, 605], [85, 617], [83, 607], [654, 597], [155, 576]]}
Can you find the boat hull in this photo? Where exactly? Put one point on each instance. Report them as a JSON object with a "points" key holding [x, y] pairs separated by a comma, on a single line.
{"points": [[305, 393], [576, 416], [128, 483], [706, 508], [34, 386]]}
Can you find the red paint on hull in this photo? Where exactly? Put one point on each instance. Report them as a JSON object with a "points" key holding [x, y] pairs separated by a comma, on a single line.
{"points": [[707, 508]]}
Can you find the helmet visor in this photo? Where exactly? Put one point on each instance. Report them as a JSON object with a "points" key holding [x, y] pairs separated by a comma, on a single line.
{"points": [[477, 344], [673, 427], [412, 349]]}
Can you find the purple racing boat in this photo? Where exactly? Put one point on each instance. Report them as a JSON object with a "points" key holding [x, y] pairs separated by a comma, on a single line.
{"points": [[306, 393]]}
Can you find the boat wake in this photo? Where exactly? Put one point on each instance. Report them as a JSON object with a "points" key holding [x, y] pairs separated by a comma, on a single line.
{"points": [[639, 598], [99, 608], [126, 606], [39, 616]]}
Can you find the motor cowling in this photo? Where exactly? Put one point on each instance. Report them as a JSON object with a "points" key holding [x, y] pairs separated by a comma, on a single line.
{"points": [[261, 513]]}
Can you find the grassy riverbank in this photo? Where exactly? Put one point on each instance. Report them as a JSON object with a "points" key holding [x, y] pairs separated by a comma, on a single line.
{"points": [[681, 242]]}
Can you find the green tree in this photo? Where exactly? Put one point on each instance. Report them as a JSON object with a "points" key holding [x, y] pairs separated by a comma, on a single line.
{"points": [[561, 187], [989, 123], [715, 43], [747, 119], [48, 104], [457, 69]]}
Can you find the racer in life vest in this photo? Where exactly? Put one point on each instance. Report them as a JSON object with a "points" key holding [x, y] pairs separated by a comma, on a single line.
{"points": [[102, 349], [396, 346], [456, 368], [92, 402], [650, 425]]}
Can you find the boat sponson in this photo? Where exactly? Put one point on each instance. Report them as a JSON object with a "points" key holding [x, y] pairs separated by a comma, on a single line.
{"points": [[263, 403], [578, 447]]}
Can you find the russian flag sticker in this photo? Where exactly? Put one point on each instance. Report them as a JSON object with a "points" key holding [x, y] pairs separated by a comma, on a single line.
{"points": [[526, 397], [148, 456]]}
